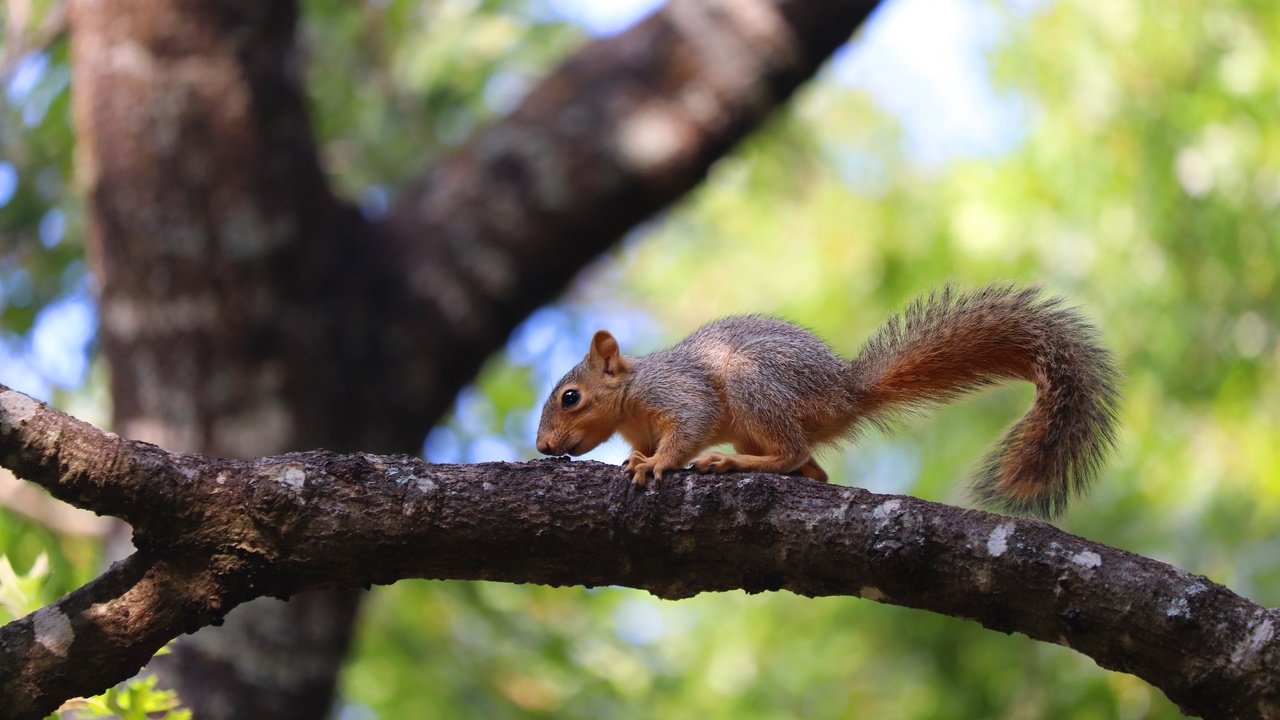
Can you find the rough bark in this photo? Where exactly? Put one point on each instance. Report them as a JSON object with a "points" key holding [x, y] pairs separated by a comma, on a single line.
{"points": [[105, 631], [214, 532], [216, 244], [247, 311]]}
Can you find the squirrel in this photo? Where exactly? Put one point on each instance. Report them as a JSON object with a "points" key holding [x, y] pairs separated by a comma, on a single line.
{"points": [[776, 391]]}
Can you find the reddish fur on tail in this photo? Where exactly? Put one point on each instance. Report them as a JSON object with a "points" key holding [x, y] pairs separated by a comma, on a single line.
{"points": [[949, 343]]}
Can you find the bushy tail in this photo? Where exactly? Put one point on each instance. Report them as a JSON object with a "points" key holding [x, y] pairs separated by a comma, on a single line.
{"points": [[950, 342]]}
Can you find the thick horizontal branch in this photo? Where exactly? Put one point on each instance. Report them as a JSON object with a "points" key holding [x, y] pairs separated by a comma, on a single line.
{"points": [[280, 525], [78, 463]]}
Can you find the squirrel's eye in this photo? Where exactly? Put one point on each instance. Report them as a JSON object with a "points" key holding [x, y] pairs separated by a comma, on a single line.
{"points": [[570, 398]]}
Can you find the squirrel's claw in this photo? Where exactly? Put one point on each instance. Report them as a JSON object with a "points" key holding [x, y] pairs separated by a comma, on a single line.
{"points": [[635, 459], [641, 466], [640, 473]]}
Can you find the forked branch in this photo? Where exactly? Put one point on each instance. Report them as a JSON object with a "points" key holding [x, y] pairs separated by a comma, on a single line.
{"points": [[213, 533]]}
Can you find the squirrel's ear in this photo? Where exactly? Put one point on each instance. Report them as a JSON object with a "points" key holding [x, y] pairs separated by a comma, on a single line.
{"points": [[606, 355]]}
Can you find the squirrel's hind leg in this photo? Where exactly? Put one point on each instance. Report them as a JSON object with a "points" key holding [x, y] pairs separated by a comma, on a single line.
{"points": [[812, 470], [719, 463], [753, 457], [776, 449]]}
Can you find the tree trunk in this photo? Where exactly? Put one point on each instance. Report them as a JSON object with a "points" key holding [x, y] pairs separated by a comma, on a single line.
{"points": [[246, 311], [222, 259]]}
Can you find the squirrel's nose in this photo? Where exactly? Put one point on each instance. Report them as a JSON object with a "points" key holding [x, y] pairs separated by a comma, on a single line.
{"points": [[544, 447]]}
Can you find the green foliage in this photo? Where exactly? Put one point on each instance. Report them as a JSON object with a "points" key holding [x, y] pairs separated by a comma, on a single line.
{"points": [[20, 594], [395, 82], [138, 699], [35, 144], [56, 564], [1145, 189]]}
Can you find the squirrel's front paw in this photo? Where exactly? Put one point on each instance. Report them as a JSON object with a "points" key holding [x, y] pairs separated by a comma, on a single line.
{"points": [[641, 466], [715, 462], [635, 459]]}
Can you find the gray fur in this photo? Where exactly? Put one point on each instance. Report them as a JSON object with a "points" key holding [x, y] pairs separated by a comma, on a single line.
{"points": [[775, 365]]}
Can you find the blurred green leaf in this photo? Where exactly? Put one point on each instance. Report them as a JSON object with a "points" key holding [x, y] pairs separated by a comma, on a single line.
{"points": [[20, 594]]}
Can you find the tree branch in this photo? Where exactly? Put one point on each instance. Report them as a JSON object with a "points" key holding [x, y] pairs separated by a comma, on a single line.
{"points": [[234, 530], [621, 130], [103, 632]]}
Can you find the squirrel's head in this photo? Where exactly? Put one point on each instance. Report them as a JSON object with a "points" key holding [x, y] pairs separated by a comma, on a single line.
{"points": [[585, 408]]}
